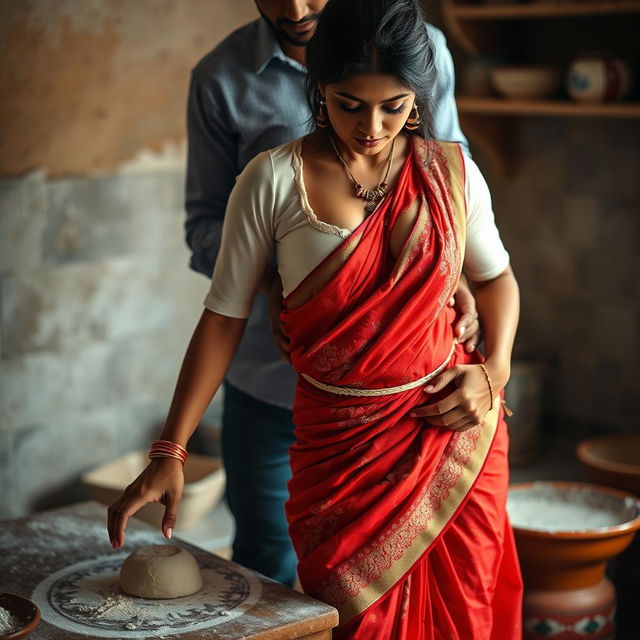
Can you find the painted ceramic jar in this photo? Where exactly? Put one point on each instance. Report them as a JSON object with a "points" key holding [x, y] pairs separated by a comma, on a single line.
{"points": [[587, 613], [598, 78]]}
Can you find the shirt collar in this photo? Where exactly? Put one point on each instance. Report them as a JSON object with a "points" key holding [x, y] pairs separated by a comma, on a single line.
{"points": [[268, 48]]}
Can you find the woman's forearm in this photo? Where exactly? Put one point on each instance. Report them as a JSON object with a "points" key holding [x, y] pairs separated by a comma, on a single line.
{"points": [[498, 304], [205, 364]]}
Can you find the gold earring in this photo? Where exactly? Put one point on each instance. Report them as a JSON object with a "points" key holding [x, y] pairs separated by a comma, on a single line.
{"points": [[322, 119], [413, 121]]}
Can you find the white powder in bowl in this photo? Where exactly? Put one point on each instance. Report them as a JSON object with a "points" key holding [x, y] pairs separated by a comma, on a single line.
{"points": [[544, 507], [8, 623]]}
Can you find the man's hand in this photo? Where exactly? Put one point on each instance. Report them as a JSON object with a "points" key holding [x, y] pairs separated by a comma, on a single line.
{"points": [[274, 291], [467, 328]]}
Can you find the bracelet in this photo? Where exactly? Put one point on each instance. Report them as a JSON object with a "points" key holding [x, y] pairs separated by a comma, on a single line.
{"points": [[502, 402], [168, 449], [486, 375]]}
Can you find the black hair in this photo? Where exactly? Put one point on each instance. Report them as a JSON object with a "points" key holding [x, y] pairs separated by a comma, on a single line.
{"points": [[373, 36]]}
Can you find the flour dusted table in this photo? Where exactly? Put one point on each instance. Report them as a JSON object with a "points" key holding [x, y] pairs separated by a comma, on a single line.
{"points": [[62, 560]]}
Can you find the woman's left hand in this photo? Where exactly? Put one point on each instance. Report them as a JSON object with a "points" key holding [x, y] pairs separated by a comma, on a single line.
{"points": [[465, 407]]}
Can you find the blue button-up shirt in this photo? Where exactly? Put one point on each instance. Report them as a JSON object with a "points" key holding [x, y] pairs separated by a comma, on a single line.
{"points": [[247, 96]]}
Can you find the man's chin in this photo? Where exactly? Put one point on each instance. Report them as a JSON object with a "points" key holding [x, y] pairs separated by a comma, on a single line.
{"points": [[297, 41]]}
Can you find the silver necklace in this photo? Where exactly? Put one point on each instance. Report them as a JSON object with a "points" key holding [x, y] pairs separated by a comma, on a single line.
{"points": [[373, 196]]}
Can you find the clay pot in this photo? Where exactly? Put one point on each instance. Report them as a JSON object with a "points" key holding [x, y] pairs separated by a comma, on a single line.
{"points": [[572, 557], [613, 461], [598, 78], [563, 556], [578, 614]]}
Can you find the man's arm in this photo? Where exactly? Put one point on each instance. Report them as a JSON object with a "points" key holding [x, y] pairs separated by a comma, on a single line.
{"points": [[447, 127], [443, 105], [211, 172]]}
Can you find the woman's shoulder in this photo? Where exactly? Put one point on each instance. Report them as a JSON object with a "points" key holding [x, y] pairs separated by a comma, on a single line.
{"points": [[275, 164], [283, 153], [266, 161], [269, 176]]}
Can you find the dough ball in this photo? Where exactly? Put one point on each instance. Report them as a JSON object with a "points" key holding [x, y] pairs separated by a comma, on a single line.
{"points": [[160, 571]]}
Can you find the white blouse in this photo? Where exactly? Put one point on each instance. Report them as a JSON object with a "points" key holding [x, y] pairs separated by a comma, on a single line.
{"points": [[269, 210]]}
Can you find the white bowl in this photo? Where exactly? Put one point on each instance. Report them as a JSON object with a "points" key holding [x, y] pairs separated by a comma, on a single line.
{"points": [[204, 485], [533, 82]]}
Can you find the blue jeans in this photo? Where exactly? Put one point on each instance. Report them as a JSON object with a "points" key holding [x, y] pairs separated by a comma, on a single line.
{"points": [[256, 437]]}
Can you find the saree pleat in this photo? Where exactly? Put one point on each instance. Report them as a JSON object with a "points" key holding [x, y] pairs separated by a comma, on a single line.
{"points": [[399, 525], [477, 557]]}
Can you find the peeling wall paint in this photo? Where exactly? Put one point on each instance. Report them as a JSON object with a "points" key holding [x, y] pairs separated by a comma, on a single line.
{"points": [[98, 86], [171, 157]]}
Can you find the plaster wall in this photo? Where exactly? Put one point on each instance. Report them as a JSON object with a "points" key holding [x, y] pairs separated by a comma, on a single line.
{"points": [[570, 219], [97, 302], [88, 85]]}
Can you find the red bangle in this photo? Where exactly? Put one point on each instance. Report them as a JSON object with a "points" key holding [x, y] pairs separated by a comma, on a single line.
{"points": [[168, 449]]}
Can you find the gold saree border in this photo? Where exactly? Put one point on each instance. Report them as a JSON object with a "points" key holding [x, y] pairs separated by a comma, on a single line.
{"points": [[445, 159], [365, 577], [421, 225], [348, 590]]}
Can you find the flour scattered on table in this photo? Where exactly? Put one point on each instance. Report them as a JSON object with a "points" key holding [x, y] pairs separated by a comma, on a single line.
{"points": [[8, 622], [116, 608]]}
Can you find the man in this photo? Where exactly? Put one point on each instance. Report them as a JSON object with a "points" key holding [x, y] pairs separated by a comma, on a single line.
{"points": [[248, 95]]}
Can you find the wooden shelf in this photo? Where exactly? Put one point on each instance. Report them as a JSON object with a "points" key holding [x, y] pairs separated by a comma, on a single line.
{"points": [[543, 10], [490, 122], [502, 106]]}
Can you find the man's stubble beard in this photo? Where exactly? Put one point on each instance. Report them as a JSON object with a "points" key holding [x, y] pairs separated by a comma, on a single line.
{"points": [[281, 34]]}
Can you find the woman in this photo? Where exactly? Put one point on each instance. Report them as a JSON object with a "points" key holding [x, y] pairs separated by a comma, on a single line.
{"points": [[397, 508]]}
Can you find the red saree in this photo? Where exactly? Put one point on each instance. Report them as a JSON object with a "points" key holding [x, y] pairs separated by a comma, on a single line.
{"points": [[399, 525]]}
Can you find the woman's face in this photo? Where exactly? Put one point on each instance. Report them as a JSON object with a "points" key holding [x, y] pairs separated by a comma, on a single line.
{"points": [[367, 111]]}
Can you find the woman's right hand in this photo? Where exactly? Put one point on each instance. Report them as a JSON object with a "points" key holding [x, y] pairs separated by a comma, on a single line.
{"points": [[162, 481]]}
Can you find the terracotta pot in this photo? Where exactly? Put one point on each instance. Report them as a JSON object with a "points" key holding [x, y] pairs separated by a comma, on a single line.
{"points": [[579, 614], [572, 557], [565, 533], [613, 461]]}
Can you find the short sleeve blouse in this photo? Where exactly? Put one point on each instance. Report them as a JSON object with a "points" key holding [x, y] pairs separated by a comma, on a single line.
{"points": [[268, 211]]}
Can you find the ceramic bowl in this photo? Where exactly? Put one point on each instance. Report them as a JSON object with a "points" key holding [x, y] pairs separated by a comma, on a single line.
{"points": [[566, 531], [204, 485], [24, 611], [613, 461], [532, 82]]}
